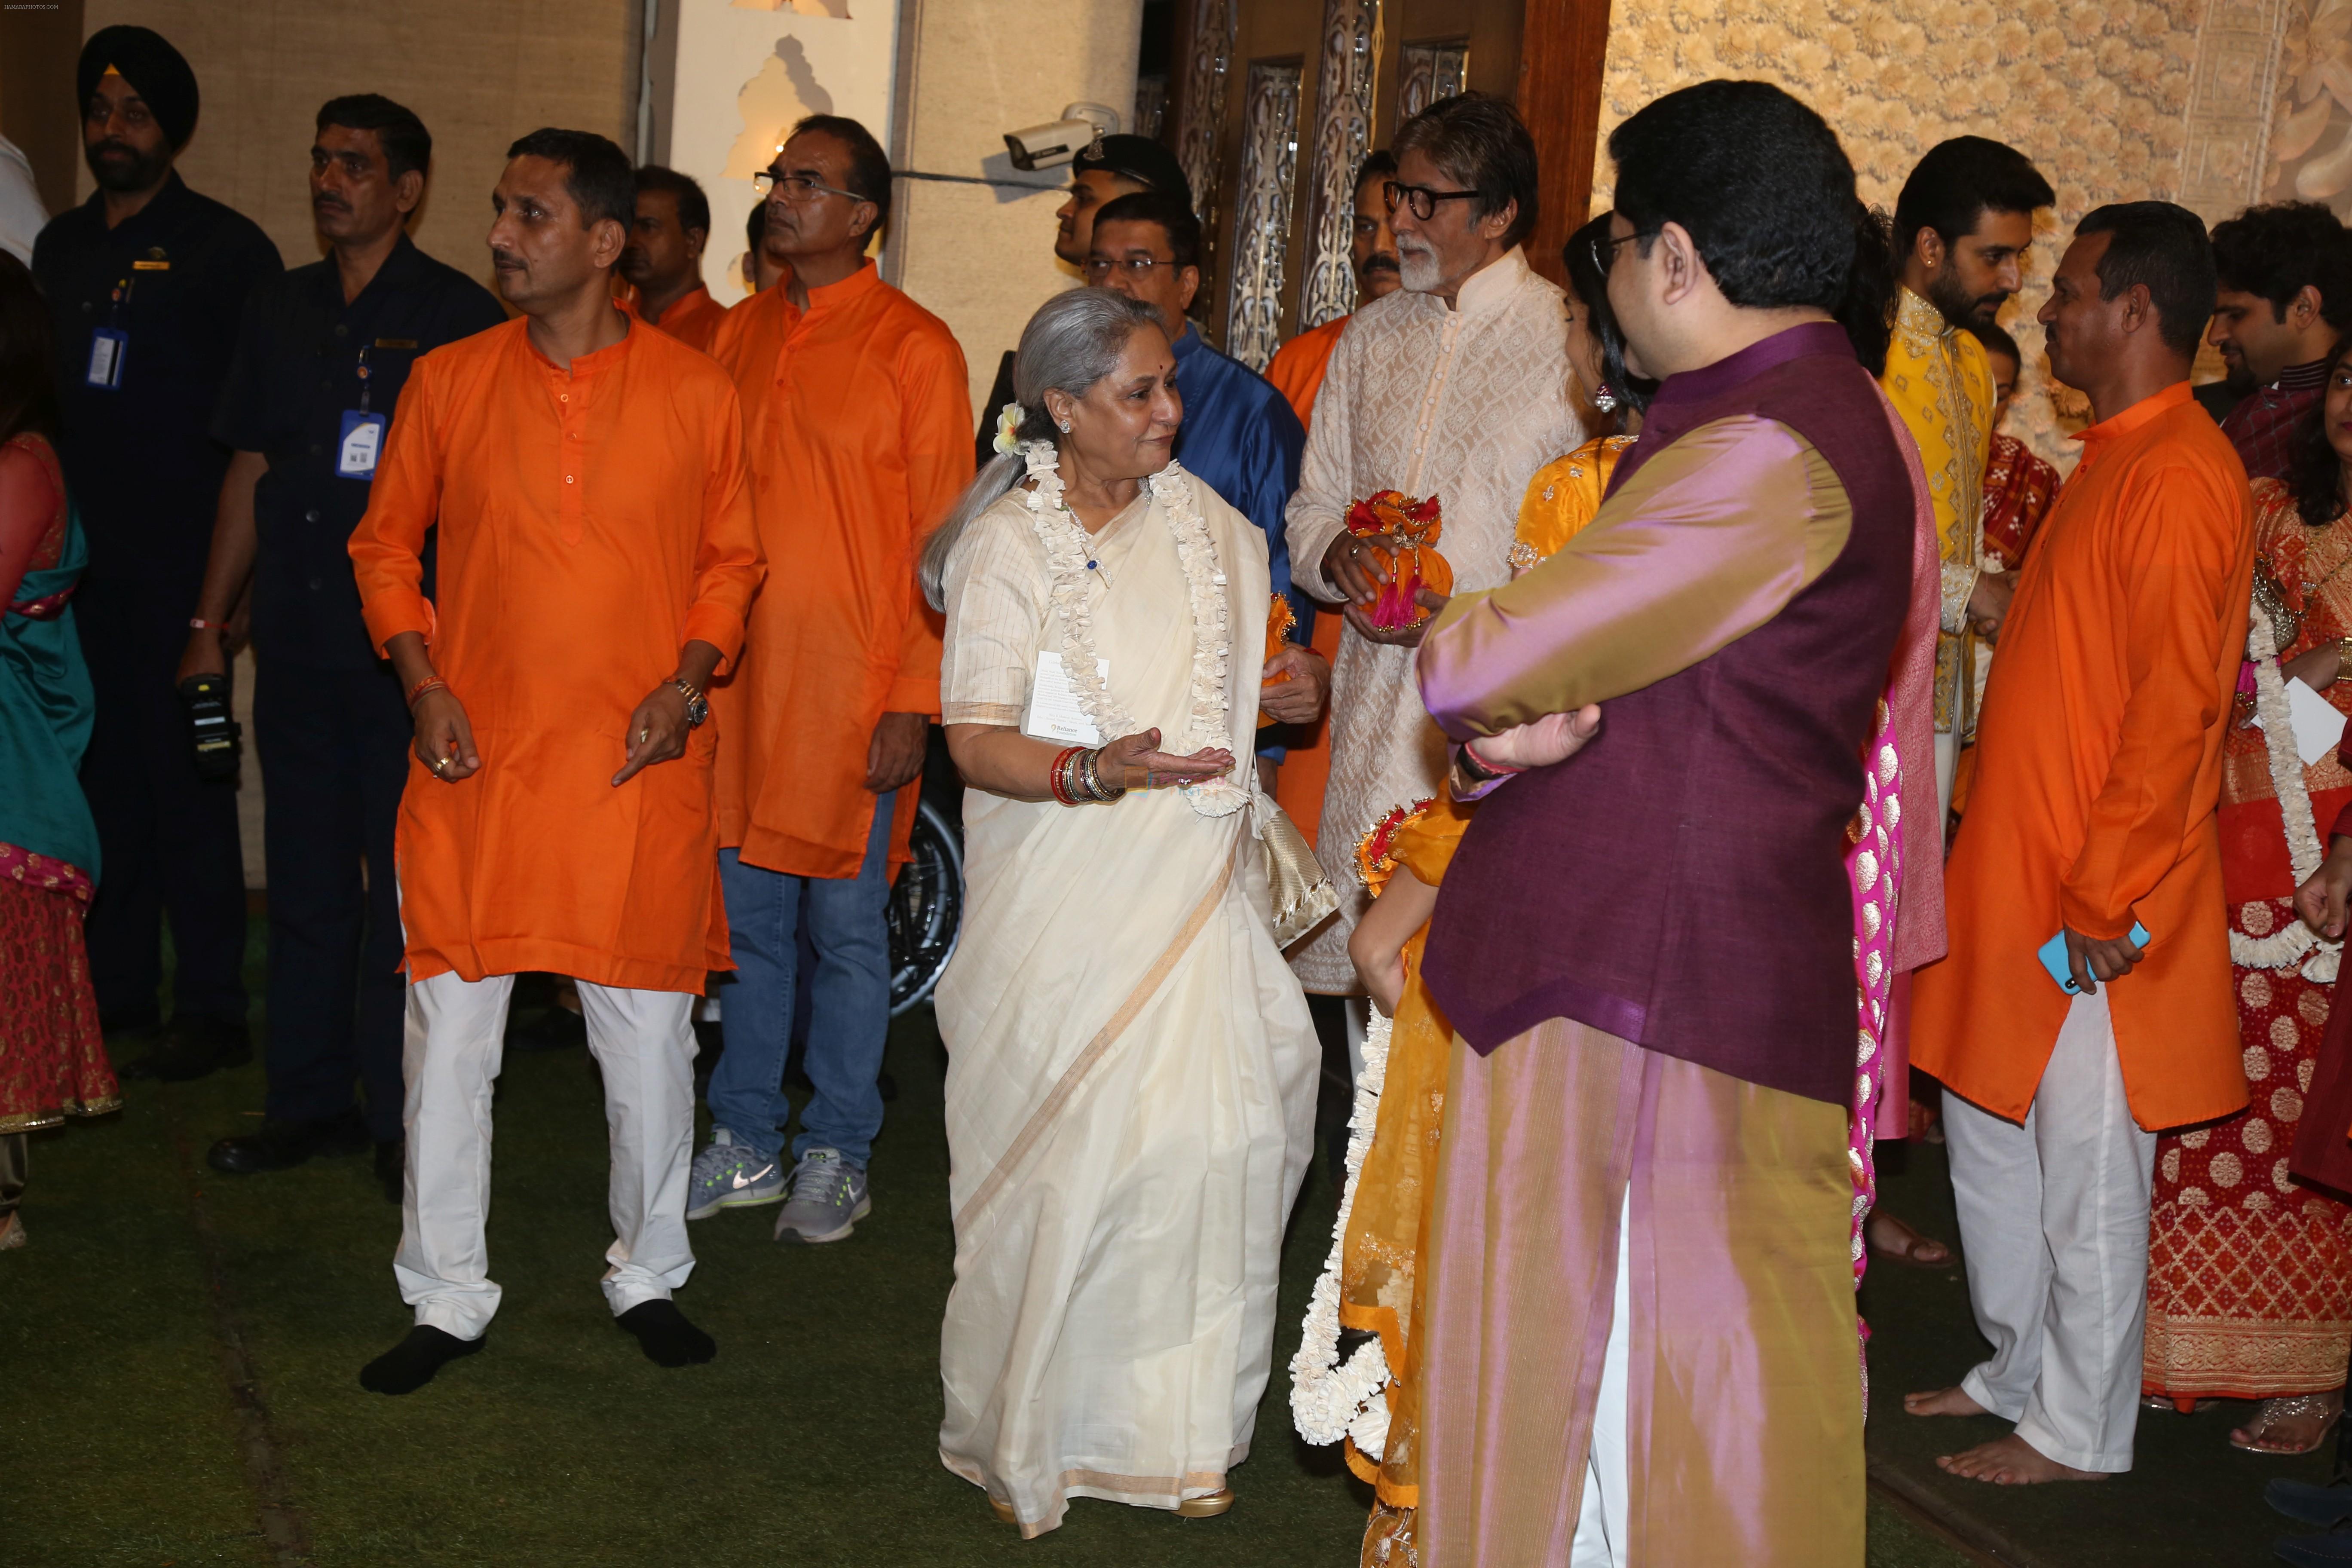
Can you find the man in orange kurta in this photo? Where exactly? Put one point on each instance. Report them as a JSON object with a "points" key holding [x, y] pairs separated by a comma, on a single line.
{"points": [[662, 260], [596, 559], [855, 407], [1296, 372], [2090, 821]]}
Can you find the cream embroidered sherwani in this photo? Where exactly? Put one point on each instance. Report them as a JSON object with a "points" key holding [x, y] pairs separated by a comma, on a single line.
{"points": [[1940, 382], [1465, 403]]}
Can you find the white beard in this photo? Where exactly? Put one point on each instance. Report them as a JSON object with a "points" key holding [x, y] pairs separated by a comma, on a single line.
{"points": [[1418, 269]]}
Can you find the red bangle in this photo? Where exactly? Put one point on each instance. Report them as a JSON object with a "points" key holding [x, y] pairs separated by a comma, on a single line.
{"points": [[1483, 771], [1053, 775], [430, 683], [197, 622]]}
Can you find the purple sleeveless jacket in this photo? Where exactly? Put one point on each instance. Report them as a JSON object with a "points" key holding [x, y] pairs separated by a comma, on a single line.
{"points": [[1679, 883]]}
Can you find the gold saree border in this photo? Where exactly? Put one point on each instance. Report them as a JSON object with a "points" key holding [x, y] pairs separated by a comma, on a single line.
{"points": [[1050, 1108]]}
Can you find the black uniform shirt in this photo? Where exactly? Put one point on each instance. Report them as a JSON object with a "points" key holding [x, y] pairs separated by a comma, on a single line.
{"points": [[295, 375], [140, 457]]}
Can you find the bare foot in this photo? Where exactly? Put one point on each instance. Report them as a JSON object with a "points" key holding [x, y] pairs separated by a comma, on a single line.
{"points": [[2012, 1461], [1952, 1401], [1897, 1241]]}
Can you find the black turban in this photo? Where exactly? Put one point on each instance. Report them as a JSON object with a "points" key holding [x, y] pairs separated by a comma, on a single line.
{"points": [[156, 71], [1136, 158]]}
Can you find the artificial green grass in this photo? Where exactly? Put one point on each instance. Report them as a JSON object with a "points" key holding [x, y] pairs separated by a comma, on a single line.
{"points": [[811, 1440]]}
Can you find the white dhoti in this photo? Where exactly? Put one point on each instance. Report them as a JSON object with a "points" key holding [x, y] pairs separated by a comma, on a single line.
{"points": [[644, 1044], [2053, 1215]]}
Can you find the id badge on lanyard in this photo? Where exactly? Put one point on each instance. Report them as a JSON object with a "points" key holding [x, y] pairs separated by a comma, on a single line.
{"points": [[108, 346], [362, 437]]}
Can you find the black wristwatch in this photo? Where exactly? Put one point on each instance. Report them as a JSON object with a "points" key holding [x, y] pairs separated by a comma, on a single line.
{"points": [[698, 707]]}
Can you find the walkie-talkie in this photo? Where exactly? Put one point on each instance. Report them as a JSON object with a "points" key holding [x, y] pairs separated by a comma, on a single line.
{"points": [[218, 736]]}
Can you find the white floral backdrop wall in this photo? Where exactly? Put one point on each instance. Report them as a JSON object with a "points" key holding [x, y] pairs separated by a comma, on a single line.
{"points": [[2311, 141], [2098, 92]]}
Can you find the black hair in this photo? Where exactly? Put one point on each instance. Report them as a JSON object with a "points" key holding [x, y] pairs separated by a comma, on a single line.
{"points": [[1481, 142], [1174, 218], [1756, 178], [1867, 308], [693, 207], [1997, 340], [597, 175], [1379, 163], [1958, 182], [1590, 287], [28, 386], [869, 166], [407, 143], [755, 228], [2314, 474], [2274, 252], [2162, 248]]}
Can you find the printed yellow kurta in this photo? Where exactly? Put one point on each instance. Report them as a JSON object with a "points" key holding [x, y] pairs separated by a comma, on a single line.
{"points": [[1940, 382], [592, 521], [857, 419]]}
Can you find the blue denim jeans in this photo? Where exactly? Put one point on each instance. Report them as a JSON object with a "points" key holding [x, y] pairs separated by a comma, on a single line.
{"points": [[849, 1011]]}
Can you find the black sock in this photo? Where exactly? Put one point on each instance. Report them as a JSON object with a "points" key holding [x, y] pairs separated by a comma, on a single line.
{"points": [[664, 1336], [410, 1365]]}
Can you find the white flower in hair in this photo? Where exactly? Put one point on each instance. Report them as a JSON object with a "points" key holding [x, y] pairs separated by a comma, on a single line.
{"points": [[1008, 428]]}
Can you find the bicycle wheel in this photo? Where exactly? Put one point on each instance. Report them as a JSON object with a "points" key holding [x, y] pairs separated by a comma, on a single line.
{"points": [[925, 909]]}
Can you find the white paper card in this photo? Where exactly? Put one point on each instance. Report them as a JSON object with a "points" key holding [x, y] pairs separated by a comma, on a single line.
{"points": [[2318, 726], [1054, 711]]}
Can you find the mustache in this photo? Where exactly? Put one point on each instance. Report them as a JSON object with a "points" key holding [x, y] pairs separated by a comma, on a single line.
{"points": [[505, 261], [1381, 261], [330, 204], [113, 146]]}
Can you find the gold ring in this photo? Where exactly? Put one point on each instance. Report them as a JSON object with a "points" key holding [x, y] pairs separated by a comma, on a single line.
{"points": [[644, 735], [440, 763]]}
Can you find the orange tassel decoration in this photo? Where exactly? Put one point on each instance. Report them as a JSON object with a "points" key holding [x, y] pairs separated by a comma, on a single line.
{"points": [[1412, 564], [1280, 617]]}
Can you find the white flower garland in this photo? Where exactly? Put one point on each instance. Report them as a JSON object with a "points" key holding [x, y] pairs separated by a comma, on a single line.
{"points": [[1068, 552], [2283, 948], [1329, 1401]]}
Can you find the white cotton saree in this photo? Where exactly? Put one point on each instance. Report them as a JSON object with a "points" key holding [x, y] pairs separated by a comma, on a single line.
{"points": [[1131, 1069]]}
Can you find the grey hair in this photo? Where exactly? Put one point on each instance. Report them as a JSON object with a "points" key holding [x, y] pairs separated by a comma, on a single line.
{"points": [[1073, 341]]}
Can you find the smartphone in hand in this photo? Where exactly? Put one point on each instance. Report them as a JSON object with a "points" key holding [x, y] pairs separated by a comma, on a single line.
{"points": [[2054, 958]]}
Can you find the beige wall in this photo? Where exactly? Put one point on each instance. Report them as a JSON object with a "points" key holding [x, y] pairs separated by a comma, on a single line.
{"points": [[981, 255], [2099, 93], [479, 73]]}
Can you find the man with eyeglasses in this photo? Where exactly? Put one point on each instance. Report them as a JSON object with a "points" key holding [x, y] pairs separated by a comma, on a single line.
{"points": [[1457, 385], [855, 399], [1239, 437], [145, 283]]}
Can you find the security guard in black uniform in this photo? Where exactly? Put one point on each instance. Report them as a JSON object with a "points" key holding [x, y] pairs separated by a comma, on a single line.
{"points": [[321, 360], [145, 281]]}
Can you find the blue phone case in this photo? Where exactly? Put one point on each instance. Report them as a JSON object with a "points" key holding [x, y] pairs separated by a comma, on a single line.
{"points": [[2054, 958]]}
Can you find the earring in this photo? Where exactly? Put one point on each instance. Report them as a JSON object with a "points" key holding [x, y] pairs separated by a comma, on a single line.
{"points": [[1065, 427], [1604, 398]]}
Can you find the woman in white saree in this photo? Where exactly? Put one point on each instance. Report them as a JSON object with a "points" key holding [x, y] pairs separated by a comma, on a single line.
{"points": [[1130, 1086]]}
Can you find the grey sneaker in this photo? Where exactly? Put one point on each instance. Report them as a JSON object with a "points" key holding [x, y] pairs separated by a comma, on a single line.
{"points": [[828, 1199], [731, 1175]]}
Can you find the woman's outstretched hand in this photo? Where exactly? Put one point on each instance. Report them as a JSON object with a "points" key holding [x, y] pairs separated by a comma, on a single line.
{"points": [[1140, 763]]}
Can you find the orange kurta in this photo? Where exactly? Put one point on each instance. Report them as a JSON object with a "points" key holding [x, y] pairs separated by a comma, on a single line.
{"points": [[692, 319], [1298, 367], [857, 417], [1296, 373], [2100, 765], [592, 521]]}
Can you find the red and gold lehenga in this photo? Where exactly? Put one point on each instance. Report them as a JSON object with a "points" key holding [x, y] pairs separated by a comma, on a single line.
{"points": [[2250, 1269]]}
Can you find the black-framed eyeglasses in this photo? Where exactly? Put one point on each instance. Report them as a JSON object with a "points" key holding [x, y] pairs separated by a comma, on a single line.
{"points": [[1604, 252], [797, 188], [1136, 266], [1420, 198]]}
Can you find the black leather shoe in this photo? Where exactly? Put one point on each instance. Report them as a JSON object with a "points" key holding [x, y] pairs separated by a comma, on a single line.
{"points": [[190, 1048], [282, 1145], [391, 1168]]}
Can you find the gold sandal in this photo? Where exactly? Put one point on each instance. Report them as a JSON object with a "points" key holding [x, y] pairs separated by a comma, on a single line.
{"points": [[1209, 1507], [2288, 1407]]}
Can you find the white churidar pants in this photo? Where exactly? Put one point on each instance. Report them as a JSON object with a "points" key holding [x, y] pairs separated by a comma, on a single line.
{"points": [[1600, 1540], [2055, 1218], [644, 1044]]}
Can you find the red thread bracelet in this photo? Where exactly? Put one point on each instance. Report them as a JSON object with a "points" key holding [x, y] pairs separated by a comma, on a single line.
{"points": [[430, 683]]}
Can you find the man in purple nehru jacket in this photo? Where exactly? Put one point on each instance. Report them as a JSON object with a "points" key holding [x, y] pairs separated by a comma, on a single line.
{"points": [[1640, 1234]]}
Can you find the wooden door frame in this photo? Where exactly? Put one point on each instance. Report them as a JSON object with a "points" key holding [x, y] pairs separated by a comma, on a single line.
{"points": [[1562, 47]]}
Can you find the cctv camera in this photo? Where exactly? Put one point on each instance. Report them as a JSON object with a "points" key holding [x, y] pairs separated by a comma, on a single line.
{"points": [[1048, 146]]}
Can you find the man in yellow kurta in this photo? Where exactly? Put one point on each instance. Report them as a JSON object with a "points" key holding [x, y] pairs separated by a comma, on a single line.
{"points": [[1961, 227], [596, 558], [854, 405], [2090, 826]]}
